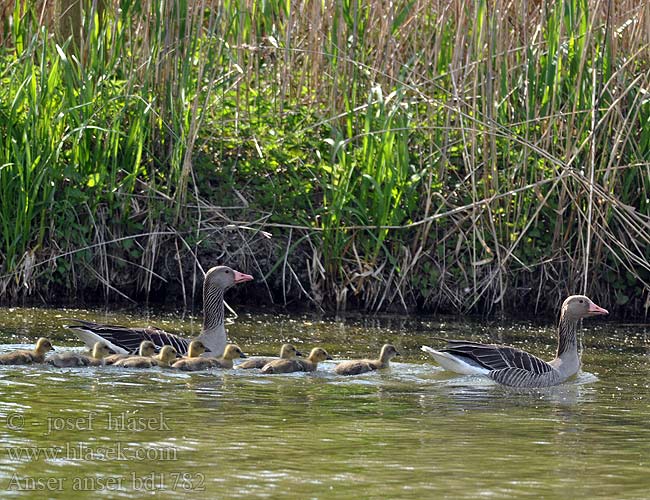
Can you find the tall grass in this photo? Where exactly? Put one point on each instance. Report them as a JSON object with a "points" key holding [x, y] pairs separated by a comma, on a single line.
{"points": [[410, 154]]}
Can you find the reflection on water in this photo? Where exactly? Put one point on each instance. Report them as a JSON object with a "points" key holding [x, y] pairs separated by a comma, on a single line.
{"points": [[415, 431]]}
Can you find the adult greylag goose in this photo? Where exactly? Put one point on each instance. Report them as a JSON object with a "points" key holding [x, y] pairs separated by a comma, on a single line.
{"points": [[124, 340], [310, 364], [27, 356], [194, 363], [146, 350], [164, 359], [77, 359], [516, 368], [358, 366], [287, 351]]}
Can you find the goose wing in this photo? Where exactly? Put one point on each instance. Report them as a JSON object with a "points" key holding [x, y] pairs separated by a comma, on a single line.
{"points": [[518, 377], [129, 339], [497, 357]]}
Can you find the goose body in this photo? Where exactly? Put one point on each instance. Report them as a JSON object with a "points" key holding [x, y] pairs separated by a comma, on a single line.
{"points": [[358, 366], [125, 340], [77, 359], [147, 349], [288, 351], [310, 364], [163, 359], [27, 356], [517, 368], [195, 364]]}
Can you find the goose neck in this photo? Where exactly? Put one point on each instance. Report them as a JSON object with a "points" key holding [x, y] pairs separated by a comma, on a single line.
{"points": [[213, 319], [567, 337]]}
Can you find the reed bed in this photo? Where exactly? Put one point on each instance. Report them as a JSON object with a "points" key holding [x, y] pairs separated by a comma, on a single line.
{"points": [[408, 155]]}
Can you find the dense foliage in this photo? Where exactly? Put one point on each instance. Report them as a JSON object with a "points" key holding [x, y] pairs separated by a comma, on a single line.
{"points": [[423, 154]]}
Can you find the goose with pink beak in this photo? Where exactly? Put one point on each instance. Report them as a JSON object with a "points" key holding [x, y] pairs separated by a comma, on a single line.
{"points": [[517, 368], [125, 340]]}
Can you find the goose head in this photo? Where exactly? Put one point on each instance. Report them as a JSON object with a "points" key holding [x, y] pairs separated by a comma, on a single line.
{"points": [[101, 350], [147, 348], [577, 307], [388, 352], [167, 355], [195, 349], [223, 277], [289, 351], [318, 354], [43, 346], [233, 352]]}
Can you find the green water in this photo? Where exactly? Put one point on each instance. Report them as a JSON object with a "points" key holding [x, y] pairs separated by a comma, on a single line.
{"points": [[413, 432]]}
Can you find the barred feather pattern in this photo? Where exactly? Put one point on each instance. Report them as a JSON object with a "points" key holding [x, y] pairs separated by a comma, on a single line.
{"points": [[130, 338], [497, 357], [567, 341], [514, 367], [213, 313], [518, 377]]}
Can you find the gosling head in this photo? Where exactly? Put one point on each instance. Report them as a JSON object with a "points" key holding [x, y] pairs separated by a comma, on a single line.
{"points": [[289, 351], [577, 307], [43, 345], [195, 349], [147, 348], [101, 350], [388, 352], [233, 351], [167, 355], [318, 354]]}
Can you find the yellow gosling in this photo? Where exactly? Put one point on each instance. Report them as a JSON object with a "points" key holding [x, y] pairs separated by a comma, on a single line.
{"points": [[288, 351], [358, 366], [310, 364], [164, 359], [194, 364], [147, 349], [77, 359], [26, 356], [166, 356]]}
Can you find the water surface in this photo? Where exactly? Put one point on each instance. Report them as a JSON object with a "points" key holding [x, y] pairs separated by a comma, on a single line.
{"points": [[412, 432]]}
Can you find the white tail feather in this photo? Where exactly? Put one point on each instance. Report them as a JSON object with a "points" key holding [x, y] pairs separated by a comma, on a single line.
{"points": [[453, 363], [89, 338]]}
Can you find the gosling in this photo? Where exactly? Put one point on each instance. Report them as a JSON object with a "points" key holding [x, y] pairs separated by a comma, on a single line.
{"points": [[26, 356], [147, 349], [194, 351], [194, 364], [287, 351], [164, 359], [77, 359], [358, 366], [310, 364]]}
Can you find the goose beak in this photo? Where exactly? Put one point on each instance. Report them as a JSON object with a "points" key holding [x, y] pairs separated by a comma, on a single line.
{"points": [[329, 357], [595, 310], [298, 353], [397, 353], [241, 277], [242, 355]]}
